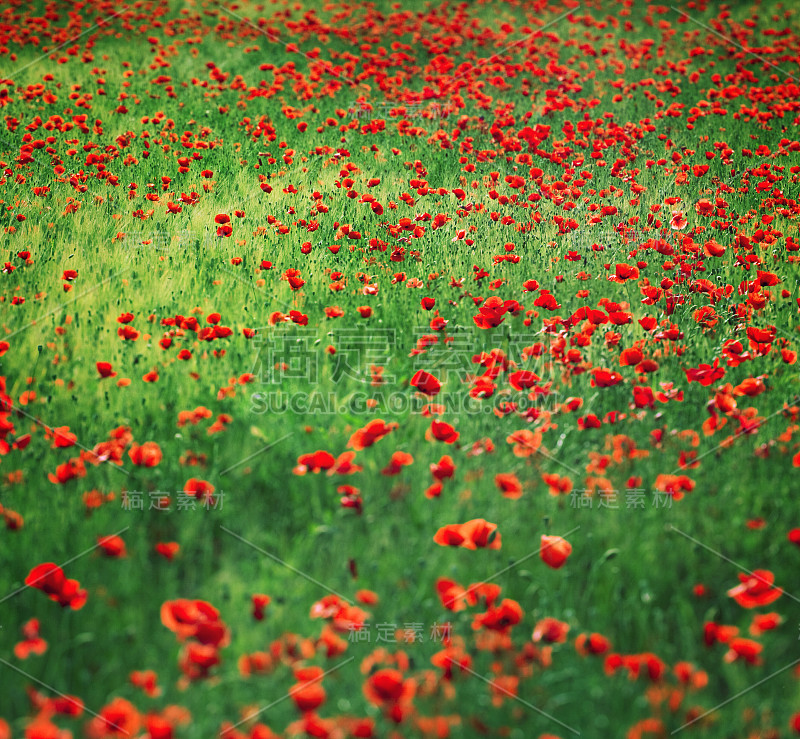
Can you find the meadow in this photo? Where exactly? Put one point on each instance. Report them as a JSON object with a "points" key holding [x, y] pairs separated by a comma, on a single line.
{"points": [[399, 370]]}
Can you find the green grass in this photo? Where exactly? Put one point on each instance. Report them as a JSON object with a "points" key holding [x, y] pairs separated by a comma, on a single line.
{"points": [[631, 573]]}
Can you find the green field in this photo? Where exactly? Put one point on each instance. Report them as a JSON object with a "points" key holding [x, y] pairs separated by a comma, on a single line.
{"points": [[318, 318]]}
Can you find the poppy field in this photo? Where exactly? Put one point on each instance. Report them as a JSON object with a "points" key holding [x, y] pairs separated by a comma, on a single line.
{"points": [[381, 369]]}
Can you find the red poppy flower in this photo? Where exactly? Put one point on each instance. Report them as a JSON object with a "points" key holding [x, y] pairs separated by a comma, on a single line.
{"points": [[112, 546], [70, 470], [442, 431], [167, 549], [523, 379], [525, 442], [557, 485], [765, 622], [387, 687], [551, 630], [705, 374], [595, 643], [308, 696], [33, 643], [128, 333], [629, 357], [491, 313], [147, 680], [501, 617], [714, 632], [452, 595], [195, 619], [554, 551], [678, 222], [117, 719], [145, 455], [369, 434], [62, 437], [745, 649], [474, 534], [624, 272], [104, 369], [200, 489], [315, 462], [444, 468], [509, 485], [398, 461], [260, 602], [426, 383], [755, 590], [196, 660], [605, 378], [49, 578]]}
